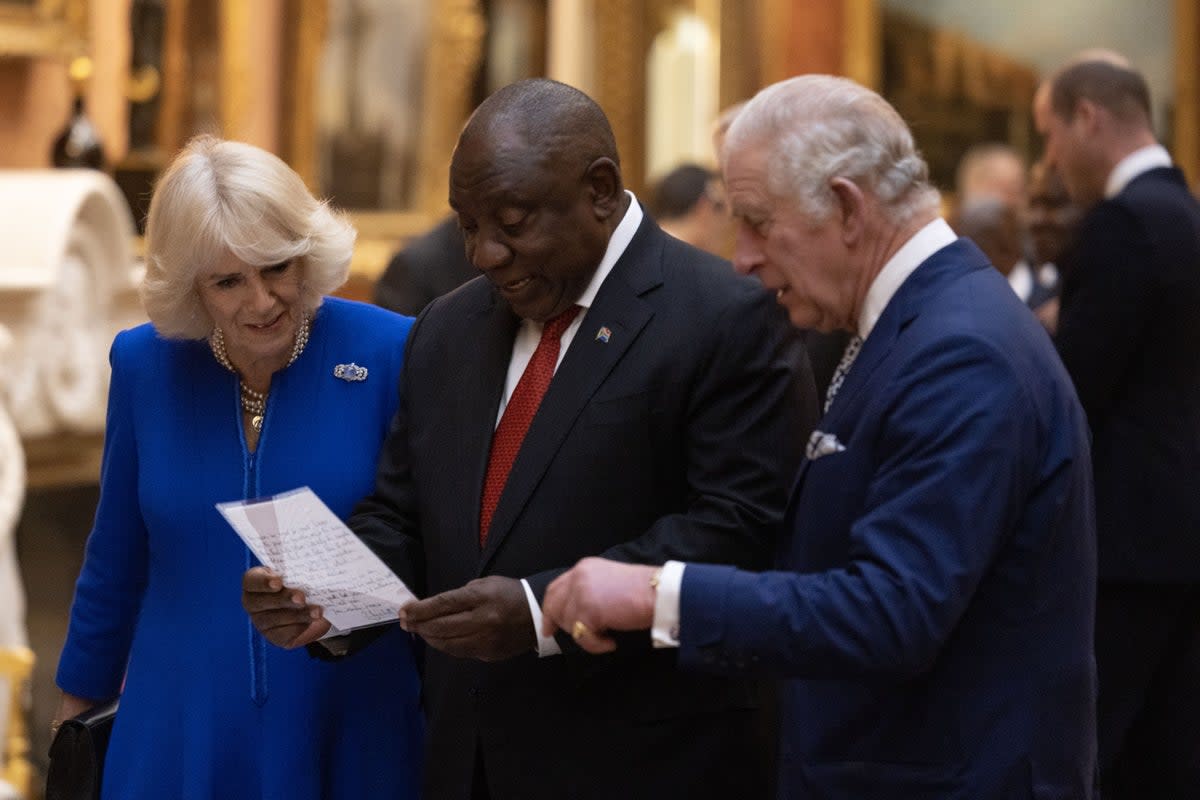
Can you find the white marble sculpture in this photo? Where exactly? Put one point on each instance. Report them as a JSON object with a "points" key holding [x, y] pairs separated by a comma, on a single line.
{"points": [[67, 285], [12, 493], [12, 596]]}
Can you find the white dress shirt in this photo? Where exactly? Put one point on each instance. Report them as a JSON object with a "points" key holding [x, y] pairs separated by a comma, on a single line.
{"points": [[530, 333], [1020, 278], [1145, 159], [923, 244]]}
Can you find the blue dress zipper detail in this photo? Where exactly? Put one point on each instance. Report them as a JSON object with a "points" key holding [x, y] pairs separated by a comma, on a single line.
{"points": [[255, 641]]}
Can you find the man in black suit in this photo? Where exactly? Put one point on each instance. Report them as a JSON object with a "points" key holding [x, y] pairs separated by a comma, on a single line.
{"points": [[428, 267], [689, 203], [1129, 334], [677, 413]]}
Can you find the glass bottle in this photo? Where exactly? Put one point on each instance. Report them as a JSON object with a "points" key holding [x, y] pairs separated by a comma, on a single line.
{"points": [[79, 145]]}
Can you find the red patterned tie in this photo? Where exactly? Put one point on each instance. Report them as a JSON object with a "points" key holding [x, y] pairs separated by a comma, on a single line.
{"points": [[518, 415]]}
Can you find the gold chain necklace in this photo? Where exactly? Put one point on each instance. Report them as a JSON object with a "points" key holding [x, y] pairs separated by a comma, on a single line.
{"points": [[255, 403]]}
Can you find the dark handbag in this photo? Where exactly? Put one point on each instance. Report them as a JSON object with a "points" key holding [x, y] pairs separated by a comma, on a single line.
{"points": [[77, 754]]}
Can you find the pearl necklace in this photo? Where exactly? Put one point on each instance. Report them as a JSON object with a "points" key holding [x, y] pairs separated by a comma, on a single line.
{"points": [[255, 403]]}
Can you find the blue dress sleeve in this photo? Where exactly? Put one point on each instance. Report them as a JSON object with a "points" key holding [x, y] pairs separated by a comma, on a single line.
{"points": [[109, 591]]}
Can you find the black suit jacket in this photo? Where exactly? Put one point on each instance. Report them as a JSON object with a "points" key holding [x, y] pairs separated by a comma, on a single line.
{"points": [[675, 439], [1129, 334]]}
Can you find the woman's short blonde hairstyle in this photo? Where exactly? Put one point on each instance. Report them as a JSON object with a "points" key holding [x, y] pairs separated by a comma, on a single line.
{"points": [[219, 197]]}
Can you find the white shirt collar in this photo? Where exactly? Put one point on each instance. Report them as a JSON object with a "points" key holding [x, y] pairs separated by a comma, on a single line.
{"points": [[912, 254], [620, 239], [1020, 278], [1144, 159]]}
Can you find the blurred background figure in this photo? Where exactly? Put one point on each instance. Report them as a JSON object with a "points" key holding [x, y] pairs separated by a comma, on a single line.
{"points": [[998, 230], [1053, 221], [994, 170], [427, 268], [721, 127], [689, 203], [1052, 217]]}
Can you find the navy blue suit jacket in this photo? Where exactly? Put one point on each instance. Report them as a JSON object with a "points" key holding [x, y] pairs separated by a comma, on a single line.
{"points": [[1129, 334], [934, 604]]}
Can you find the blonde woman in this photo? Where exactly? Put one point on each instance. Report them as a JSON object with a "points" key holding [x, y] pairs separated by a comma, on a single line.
{"points": [[247, 382]]}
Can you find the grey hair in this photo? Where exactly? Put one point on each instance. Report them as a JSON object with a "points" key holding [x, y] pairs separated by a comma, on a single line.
{"points": [[819, 127], [219, 197]]}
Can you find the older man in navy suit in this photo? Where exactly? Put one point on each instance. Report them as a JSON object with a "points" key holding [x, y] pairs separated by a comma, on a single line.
{"points": [[1129, 334], [933, 606]]}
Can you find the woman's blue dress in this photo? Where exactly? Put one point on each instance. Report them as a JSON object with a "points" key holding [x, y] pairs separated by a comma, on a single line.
{"points": [[210, 709]]}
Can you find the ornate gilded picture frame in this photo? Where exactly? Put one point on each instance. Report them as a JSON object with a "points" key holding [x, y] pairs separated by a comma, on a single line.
{"points": [[453, 50], [30, 28]]}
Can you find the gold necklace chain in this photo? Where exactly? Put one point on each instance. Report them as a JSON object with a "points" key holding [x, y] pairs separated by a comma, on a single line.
{"points": [[255, 403]]}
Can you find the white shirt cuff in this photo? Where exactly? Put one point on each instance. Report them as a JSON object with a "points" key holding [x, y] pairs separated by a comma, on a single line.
{"points": [[665, 632], [546, 645]]}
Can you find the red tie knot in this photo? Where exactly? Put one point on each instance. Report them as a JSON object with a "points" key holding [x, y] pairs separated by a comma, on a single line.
{"points": [[555, 327]]}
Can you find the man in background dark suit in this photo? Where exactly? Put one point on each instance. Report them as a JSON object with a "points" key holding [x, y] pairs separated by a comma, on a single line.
{"points": [[1129, 334], [428, 267], [1053, 220], [933, 601], [669, 430]]}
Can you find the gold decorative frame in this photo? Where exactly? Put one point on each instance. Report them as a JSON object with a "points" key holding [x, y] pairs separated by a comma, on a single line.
{"points": [[862, 40], [43, 28], [457, 30], [16, 769]]}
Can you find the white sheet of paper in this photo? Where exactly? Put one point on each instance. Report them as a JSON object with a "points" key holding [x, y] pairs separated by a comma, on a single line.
{"points": [[296, 535]]}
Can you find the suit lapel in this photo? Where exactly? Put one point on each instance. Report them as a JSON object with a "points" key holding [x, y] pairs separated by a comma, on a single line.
{"points": [[493, 333], [874, 349], [956, 259], [589, 360], [951, 262]]}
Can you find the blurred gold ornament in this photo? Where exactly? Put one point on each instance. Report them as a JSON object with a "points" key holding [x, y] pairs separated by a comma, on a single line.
{"points": [[80, 69], [144, 84]]}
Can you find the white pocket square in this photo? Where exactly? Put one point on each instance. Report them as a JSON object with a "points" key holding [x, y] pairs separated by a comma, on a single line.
{"points": [[822, 444]]}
